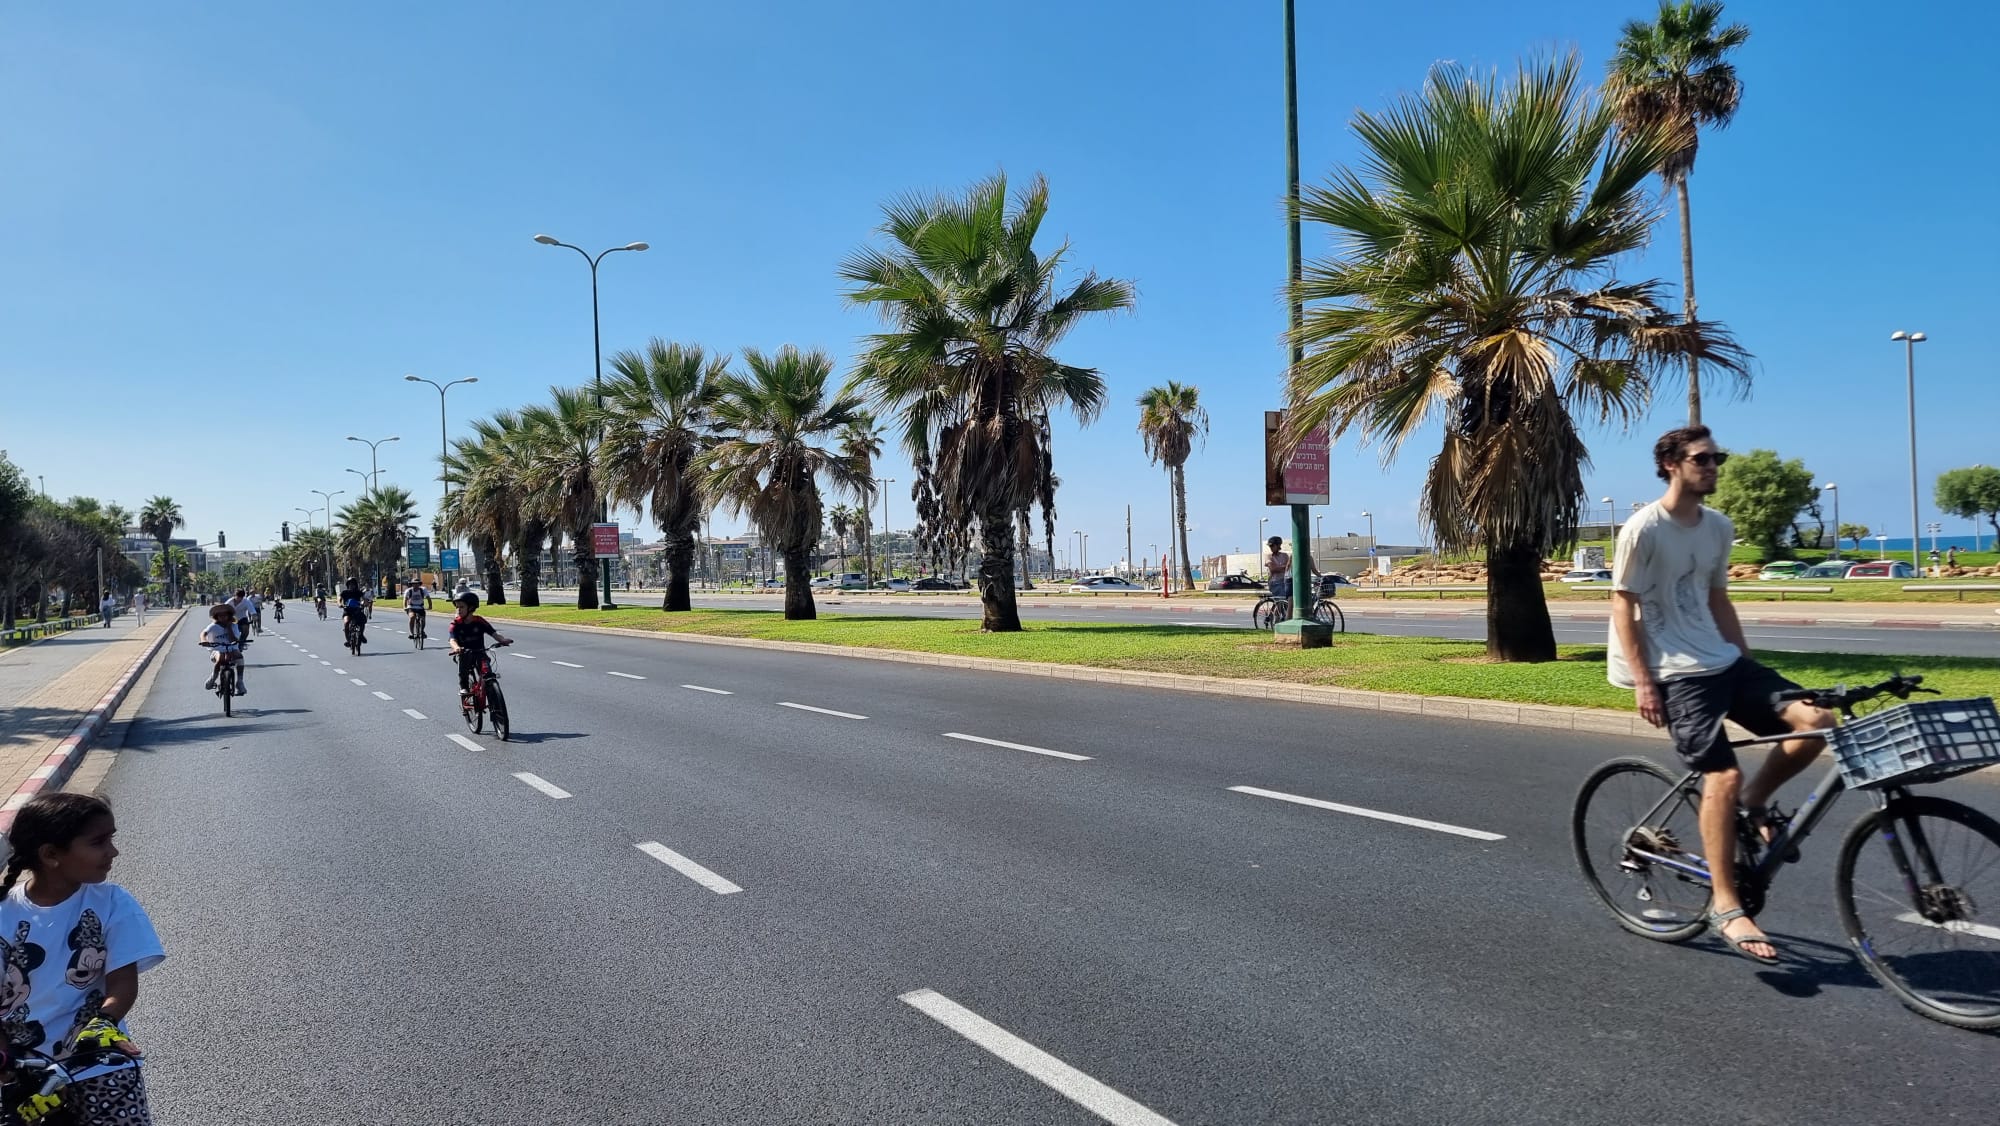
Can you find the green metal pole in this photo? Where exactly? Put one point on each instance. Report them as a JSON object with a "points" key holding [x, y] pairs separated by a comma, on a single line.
{"points": [[1301, 517]]}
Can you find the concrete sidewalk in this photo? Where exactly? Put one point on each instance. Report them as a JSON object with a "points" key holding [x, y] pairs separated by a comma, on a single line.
{"points": [[52, 687]]}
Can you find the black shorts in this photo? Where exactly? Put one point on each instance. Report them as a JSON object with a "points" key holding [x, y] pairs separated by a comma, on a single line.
{"points": [[1746, 692]]}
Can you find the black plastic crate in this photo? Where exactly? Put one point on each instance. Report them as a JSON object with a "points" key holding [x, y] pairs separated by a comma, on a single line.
{"points": [[1918, 741]]}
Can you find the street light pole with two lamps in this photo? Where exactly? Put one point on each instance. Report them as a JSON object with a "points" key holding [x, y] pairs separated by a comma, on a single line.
{"points": [[374, 466], [444, 448], [597, 370]]}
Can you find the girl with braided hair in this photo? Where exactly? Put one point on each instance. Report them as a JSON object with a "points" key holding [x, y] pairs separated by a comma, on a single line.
{"points": [[62, 844]]}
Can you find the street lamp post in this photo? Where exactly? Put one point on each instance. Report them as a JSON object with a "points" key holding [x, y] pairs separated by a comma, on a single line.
{"points": [[1834, 488], [1611, 508], [367, 481], [597, 372], [888, 563], [1881, 545], [374, 467], [444, 450], [1261, 553], [1910, 341], [1371, 535], [329, 527]]}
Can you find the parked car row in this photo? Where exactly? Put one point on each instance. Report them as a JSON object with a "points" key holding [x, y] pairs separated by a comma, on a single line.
{"points": [[1838, 569]]}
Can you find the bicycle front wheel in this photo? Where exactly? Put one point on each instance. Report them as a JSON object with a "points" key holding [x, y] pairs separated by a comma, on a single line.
{"points": [[1328, 614], [1919, 893], [1635, 850]]}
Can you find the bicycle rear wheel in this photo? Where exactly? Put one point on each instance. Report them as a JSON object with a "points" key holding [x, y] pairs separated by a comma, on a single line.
{"points": [[1269, 612], [1919, 893], [1647, 896]]}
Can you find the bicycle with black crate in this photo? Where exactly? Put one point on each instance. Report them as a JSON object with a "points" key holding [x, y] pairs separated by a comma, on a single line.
{"points": [[1917, 881]]}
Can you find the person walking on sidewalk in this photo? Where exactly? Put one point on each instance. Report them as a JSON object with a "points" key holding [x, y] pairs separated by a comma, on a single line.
{"points": [[107, 607], [63, 843], [1677, 644], [139, 605]]}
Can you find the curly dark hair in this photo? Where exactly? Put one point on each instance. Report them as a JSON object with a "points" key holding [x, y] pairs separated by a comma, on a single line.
{"points": [[1672, 447]]}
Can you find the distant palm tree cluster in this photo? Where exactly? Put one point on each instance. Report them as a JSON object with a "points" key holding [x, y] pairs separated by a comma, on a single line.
{"points": [[964, 373], [50, 550]]}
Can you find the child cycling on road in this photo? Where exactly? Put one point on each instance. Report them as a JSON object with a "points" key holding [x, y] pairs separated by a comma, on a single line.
{"points": [[225, 644], [469, 632]]}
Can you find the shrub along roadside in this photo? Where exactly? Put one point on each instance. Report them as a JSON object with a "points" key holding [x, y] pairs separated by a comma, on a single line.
{"points": [[1424, 666]]}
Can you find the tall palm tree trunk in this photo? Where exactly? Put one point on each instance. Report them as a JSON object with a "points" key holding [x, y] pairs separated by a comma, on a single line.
{"points": [[999, 613], [529, 553], [680, 561], [1180, 525], [586, 568], [1027, 551], [868, 538], [1517, 612], [496, 575], [1688, 303], [798, 585]]}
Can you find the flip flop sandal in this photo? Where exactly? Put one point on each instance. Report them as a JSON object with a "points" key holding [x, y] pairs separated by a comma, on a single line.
{"points": [[1715, 922]]}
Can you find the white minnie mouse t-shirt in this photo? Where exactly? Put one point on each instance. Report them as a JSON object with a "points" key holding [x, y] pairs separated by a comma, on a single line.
{"points": [[55, 959]]}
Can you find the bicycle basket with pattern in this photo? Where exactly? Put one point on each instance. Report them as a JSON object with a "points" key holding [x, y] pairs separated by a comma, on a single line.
{"points": [[1918, 741]]}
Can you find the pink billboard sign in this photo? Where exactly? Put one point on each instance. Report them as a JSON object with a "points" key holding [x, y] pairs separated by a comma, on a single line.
{"points": [[1305, 477], [604, 539]]}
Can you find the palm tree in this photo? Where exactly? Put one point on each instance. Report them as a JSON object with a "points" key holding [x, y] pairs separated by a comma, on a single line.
{"points": [[373, 529], [561, 474], [1474, 290], [160, 519], [1674, 74], [783, 425], [841, 519], [862, 444], [661, 405], [973, 311], [315, 547], [493, 508], [1171, 418]]}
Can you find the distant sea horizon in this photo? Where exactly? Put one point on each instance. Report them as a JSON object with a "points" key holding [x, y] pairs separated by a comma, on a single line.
{"points": [[1893, 545]]}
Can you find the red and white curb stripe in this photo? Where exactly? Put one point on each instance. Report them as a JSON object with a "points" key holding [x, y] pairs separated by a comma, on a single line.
{"points": [[56, 768]]}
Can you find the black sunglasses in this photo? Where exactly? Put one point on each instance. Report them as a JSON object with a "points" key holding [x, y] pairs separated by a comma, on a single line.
{"points": [[1706, 460]]}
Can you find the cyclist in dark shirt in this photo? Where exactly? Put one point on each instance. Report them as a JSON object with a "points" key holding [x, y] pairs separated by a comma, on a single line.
{"points": [[352, 611], [468, 633]]}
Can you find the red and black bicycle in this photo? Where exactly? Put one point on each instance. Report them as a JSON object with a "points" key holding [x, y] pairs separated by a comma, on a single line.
{"points": [[483, 698]]}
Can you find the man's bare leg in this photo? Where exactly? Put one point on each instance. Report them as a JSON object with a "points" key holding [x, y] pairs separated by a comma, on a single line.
{"points": [[1719, 791], [1791, 756]]}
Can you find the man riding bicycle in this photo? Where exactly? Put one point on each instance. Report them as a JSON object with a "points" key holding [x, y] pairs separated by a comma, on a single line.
{"points": [[468, 634], [319, 602], [416, 603], [1677, 643], [353, 615]]}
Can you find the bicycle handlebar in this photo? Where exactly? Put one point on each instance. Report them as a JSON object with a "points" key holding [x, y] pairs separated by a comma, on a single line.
{"points": [[1844, 698]]}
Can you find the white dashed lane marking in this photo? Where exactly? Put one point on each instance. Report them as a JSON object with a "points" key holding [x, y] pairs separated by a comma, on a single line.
{"points": [[539, 783], [1376, 814], [464, 742], [626, 675], [687, 868], [1016, 746], [568, 665], [713, 691], [382, 696], [821, 711], [414, 713]]}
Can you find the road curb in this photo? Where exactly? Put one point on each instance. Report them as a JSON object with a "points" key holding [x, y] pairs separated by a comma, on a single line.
{"points": [[1553, 717], [55, 769]]}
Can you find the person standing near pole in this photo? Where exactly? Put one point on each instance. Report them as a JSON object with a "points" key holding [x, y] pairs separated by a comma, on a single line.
{"points": [[139, 605]]}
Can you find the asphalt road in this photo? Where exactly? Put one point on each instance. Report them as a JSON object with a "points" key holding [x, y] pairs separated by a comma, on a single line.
{"points": [[370, 922], [1366, 615]]}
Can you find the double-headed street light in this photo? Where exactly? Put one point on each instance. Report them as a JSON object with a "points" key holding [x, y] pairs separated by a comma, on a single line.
{"points": [[444, 448], [367, 481], [597, 370], [374, 466], [1910, 341], [328, 578]]}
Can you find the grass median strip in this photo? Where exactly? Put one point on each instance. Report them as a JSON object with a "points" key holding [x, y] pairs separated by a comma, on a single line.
{"points": [[1424, 666]]}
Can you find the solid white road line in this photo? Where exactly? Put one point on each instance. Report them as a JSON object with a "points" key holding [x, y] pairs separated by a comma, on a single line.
{"points": [[358, 680], [1979, 929], [568, 665], [714, 691], [1416, 822], [523, 656], [539, 783], [822, 711], [1053, 1073], [626, 675], [414, 713], [464, 742], [1016, 746], [687, 868], [382, 696]]}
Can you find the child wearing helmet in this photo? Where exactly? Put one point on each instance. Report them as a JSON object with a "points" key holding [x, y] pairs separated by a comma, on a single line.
{"points": [[468, 633], [225, 644]]}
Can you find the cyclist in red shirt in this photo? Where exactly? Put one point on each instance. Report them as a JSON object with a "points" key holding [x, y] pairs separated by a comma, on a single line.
{"points": [[468, 633]]}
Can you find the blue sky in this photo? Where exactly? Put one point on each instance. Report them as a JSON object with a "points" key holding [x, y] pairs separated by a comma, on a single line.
{"points": [[235, 227]]}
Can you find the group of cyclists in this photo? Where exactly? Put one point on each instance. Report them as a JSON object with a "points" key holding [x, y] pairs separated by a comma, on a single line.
{"points": [[233, 621]]}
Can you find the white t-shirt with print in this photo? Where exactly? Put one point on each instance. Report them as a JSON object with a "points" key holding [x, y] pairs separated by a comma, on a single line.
{"points": [[1671, 567], [52, 978], [218, 634]]}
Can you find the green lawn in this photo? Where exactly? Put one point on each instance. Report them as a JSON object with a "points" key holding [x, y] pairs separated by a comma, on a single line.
{"points": [[1418, 665]]}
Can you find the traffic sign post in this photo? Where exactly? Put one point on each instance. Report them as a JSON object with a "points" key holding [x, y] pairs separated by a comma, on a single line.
{"points": [[419, 552], [448, 559]]}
